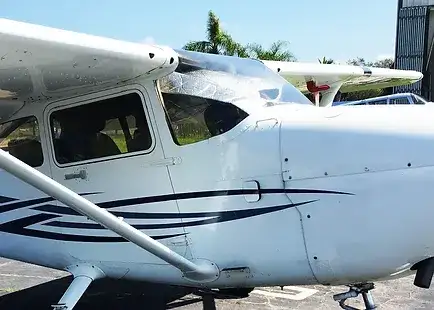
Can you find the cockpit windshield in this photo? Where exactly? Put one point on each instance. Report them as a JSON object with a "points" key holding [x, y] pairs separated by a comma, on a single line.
{"points": [[208, 95], [246, 83]]}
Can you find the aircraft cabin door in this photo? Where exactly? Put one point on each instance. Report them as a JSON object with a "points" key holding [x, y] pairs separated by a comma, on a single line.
{"points": [[107, 150]]}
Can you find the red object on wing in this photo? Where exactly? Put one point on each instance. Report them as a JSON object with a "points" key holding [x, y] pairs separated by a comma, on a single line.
{"points": [[313, 88]]}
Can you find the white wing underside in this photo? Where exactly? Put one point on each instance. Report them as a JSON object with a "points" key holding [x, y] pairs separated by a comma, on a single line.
{"points": [[346, 77], [39, 63]]}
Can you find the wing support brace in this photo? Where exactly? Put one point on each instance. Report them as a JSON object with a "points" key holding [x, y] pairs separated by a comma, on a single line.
{"points": [[328, 92], [329, 95], [199, 271]]}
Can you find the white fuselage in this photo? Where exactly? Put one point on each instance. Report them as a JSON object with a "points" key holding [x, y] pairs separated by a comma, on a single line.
{"points": [[344, 196]]}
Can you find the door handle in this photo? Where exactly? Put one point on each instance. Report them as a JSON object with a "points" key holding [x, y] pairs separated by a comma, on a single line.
{"points": [[171, 161], [80, 175]]}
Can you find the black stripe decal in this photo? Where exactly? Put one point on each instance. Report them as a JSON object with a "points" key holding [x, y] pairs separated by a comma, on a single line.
{"points": [[209, 194], [56, 209], [4, 199], [217, 217], [18, 227], [23, 204], [27, 203], [181, 196]]}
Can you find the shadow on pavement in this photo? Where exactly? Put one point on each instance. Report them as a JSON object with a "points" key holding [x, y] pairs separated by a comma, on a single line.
{"points": [[106, 294]]}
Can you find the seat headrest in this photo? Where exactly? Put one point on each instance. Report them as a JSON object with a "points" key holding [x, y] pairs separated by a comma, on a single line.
{"points": [[27, 150], [73, 126]]}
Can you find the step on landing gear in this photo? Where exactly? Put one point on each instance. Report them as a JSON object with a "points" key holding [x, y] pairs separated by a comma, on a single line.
{"points": [[353, 292]]}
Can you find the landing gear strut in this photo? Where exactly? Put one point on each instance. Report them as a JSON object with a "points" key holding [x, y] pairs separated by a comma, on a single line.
{"points": [[354, 291]]}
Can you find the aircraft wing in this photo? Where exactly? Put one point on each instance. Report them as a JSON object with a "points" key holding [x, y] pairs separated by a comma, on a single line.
{"points": [[347, 78], [39, 63]]}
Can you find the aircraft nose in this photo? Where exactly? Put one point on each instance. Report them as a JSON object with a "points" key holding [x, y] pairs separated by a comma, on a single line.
{"points": [[370, 169]]}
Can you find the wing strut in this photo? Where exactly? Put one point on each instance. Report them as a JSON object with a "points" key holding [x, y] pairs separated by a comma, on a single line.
{"points": [[200, 271]]}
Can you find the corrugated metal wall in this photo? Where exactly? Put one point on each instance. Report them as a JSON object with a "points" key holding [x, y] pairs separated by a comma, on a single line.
{"points": [[411, 43], [409, 3]]}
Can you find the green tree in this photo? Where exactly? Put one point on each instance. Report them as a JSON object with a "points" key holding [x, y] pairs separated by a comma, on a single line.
{"points": [[388, 63], [325, 60], [359, 61], [385, 63], [277, 51], [221, 42], [364, 94], [218, 41]]}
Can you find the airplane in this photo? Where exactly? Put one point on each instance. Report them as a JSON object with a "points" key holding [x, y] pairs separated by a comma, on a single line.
{"points": [[147, 163], [324, 81]]}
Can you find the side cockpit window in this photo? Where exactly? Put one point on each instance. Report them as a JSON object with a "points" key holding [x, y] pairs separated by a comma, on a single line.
{"points": [[193, 119], [402, 100], [22, 140], [100, 129]]}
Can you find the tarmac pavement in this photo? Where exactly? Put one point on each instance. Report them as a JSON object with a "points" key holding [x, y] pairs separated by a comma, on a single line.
{"points": [[25, 286]]}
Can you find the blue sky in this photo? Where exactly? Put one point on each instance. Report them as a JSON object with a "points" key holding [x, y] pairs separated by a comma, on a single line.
{"points": [[338, 29]]}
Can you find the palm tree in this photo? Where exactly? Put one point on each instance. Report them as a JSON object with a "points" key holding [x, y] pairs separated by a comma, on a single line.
{"points": [[219, 41], [325, 60], [275, 52]]}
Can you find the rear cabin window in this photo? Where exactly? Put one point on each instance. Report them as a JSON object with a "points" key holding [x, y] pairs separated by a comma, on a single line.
{"points": [[193, 119], [100, 129], [21, 139]]}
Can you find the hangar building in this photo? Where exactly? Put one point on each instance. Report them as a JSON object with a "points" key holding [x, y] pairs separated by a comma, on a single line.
{"points": [[414, 44]]}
